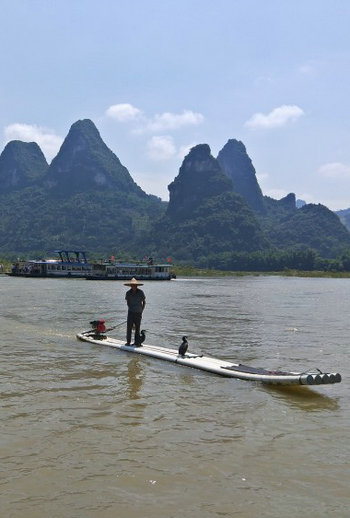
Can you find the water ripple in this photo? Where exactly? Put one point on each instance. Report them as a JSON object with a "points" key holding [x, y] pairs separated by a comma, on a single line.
{"points": [[88, 431]]}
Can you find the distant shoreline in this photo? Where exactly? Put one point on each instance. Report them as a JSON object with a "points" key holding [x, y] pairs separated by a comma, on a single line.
{"points": [[189, 271]]}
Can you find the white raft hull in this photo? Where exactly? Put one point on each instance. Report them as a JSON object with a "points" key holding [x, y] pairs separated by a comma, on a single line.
{"points": [[217, 366]]}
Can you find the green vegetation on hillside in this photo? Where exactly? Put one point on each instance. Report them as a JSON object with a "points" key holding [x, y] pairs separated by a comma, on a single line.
{"points": [[100, 222], [86, 199], [276, 260]]}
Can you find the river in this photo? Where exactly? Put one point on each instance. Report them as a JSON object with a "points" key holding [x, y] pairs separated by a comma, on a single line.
{"points": [[90, 432]]}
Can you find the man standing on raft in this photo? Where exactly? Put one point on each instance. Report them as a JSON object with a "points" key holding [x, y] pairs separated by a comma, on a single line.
{"points": [[136, 301]]}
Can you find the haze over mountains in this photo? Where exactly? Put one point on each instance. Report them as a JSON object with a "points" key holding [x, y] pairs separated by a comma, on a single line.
{"points": [[87, 199], [344, 216]]}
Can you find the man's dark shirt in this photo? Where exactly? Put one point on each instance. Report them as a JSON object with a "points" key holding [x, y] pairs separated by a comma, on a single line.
{"points": [[135, 300]]}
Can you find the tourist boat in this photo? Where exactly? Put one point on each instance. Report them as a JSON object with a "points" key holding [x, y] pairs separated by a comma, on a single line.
{"points": [[69, 263], [145, 271], [73, 264]]}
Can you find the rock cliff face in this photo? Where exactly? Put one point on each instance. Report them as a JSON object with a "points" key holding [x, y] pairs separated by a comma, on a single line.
{"points": [[87, 198], [288, 202], [235, 162], [205, 216], [280, 208], [21, 165], [85, 163], [200, 177]]}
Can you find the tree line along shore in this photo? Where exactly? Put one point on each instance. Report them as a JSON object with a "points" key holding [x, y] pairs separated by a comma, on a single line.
{"points": [[333, 269]]}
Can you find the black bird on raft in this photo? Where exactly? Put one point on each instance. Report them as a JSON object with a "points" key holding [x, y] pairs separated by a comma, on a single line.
{"points": [[183, 347], [141, 339]]}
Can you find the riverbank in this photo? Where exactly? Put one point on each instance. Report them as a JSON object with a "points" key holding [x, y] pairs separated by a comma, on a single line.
{"points": [[190, 271]]}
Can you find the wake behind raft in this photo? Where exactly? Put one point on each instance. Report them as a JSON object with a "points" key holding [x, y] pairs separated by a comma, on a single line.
{"points": [[97, 335]]}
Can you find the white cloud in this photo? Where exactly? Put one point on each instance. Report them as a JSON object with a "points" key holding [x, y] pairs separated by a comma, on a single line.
{"points": [[335, 170], [172, 121], [123, 112], [261, 177], [276, 118], [168, 121], [311, 67], [161, 148], [262, 81], [276, 194], [308, 198], [184, 150], [307, 69], [48, 141]]}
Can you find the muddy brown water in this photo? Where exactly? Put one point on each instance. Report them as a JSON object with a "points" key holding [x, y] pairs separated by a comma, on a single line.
{"points": [[90, 432]]}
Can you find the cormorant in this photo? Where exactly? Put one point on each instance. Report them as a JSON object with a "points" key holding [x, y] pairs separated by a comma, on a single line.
{"points": [[141, 339], [183, 347]]}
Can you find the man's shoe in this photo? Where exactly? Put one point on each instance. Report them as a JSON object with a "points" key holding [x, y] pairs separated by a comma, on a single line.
{"points": [[127, 343]]}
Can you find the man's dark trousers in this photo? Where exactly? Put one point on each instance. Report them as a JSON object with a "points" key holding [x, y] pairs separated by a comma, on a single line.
{"points": [[133, 318]]}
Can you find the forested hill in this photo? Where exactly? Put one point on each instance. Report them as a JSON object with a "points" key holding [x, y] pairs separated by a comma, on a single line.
{"points": [[285, 226], [87, 199], [21, 164], [205, 215], [236, 163], [85, 163]]}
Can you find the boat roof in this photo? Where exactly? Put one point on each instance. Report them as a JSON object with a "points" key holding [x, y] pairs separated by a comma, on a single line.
{"points": [[65, 255], [135, 265], [69, 251]]}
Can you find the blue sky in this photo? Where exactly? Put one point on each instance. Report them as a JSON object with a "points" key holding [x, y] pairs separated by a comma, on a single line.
{"points": [[158, 77]]}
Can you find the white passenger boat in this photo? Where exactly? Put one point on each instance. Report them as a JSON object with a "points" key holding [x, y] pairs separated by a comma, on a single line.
{"points": [[142, 271], [73, 264], [68, 263], [214, 365]]}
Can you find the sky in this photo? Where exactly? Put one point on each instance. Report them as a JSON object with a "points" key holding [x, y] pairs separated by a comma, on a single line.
{"points": [[160, 76]]}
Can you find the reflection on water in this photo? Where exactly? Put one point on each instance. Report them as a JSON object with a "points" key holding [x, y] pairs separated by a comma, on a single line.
{"points": [[134, 378], [304, 398], [88, 431]]}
